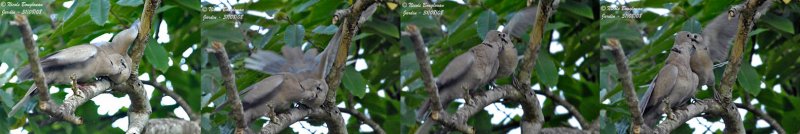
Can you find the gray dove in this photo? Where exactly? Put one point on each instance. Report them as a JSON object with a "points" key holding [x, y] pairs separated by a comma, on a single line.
{"points": [[508, 58], [701, 63], [278, 93], [675, 83], [478, 66], [296, 78], [82, 64]]}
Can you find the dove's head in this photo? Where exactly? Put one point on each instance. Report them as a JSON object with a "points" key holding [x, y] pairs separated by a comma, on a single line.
{"points": [[685, 44], [687, 37], [121, 67], [497, 36], [314, 92]]}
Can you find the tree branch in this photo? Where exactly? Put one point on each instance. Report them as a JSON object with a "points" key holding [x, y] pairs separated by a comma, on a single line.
{"points": [[144, 32], [139, 112], [33, 58], [627, 85], [724, 95], [427, 78], [349, 28], [360, 116], [564, 130], [171, 126], [281, 121], [764, 116], [681, 115], [533, 117], [425, 68], [82, 96], [230, 86]]}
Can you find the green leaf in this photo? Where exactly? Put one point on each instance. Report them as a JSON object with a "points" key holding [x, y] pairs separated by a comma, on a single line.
{"points": [[579, 9], [99, 11], [757, 31], [294, 35], [486, 21], [71, 10], [780, 23], [546, 70], [749, 79], [383, 27], [692, 25], [329, 30], [305, 5], [132, 3], [157, 56], [556, 25], [354, 82]]}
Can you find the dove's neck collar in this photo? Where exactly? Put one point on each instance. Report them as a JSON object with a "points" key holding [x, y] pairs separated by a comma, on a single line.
{"points": [[678, 56], [488, 44], [676, 50]]}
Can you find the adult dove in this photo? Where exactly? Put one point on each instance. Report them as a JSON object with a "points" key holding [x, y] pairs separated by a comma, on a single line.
{"points": [[701, 63], [478, 66], [82, 64], [296, 79], [278, 93], [508, 58], [675, 83]]}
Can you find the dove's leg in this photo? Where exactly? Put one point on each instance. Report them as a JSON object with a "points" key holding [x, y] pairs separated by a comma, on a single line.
{"points": [[668, 109], [466, 96], [271, 114], [75, 86]]}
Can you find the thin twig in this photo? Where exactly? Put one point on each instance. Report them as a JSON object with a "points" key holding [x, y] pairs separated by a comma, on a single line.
{"points": [[764, 116], [230, 86], [174, 96], [153, 82], [360, 116], [571, 108]]}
